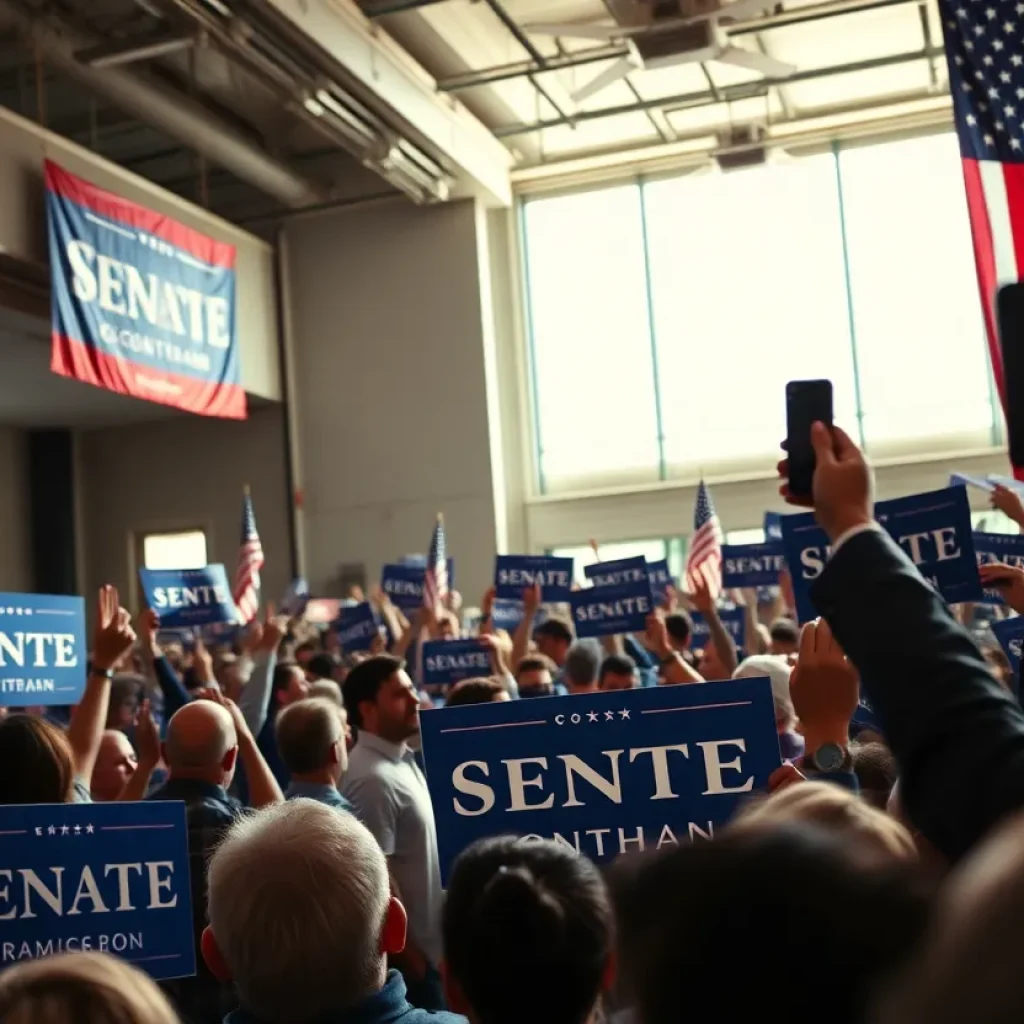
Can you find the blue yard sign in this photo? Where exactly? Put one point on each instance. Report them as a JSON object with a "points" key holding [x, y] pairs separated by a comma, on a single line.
{"points": [[189, 597], [1007, 548], [806, 547], [515, 573], [43, 650], [604, 773], [609, 610], [357, 627], [752, 565], [448, 661], [617, 573], [109, 877], [733, 619]]}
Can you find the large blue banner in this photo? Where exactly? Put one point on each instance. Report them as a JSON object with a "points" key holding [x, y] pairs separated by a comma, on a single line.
{"points": [[998, 547], [734, 620], [616, 573], [43, 651], [109, 877], [934, 529], [448, 661], [609, 610], [357, 627], [752, 565], [141, 304], [189, 597], [806, 547], [604, 773], [515, 573]]}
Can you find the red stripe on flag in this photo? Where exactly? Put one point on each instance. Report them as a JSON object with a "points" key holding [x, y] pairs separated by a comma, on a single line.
{"points": [[1013, 175]]}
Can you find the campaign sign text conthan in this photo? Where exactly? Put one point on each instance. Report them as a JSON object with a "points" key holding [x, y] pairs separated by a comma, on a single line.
{"points": [[1007, 548], [107, 877], [189, 597], [604, 773], [357, 627], [448, 661], [515, 573], [806, 547], [734, 621], [752, 565], [43, 650], [606, 611]]}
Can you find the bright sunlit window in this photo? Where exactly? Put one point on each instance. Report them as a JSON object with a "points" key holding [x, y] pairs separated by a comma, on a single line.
{"points": [[184, 550]]}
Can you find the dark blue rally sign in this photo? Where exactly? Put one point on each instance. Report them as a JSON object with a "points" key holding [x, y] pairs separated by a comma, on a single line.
{"points": [[514, 573], [448, 661], [607, 611], [109, 877], [403, 581], [806, 547], [43, 650], [733, 619], [617, 573], [752, 565], [189, 597], [1007, 548], [604, 773], [1010, 634], [934, 530], [773, 526], [661, 579], [357, 627]]}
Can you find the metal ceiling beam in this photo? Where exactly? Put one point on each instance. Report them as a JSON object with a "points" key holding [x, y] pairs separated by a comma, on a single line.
{"points": [[386, 7], [174, 113], [728, 94], [127, 51], [520, 69]]}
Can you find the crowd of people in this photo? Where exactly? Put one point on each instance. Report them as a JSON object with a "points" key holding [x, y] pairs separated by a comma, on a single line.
{"points": [[878, 879]]}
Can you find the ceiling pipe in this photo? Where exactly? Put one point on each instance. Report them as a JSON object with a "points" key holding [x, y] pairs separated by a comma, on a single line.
{"points": [[172, 112], [110, 55]]}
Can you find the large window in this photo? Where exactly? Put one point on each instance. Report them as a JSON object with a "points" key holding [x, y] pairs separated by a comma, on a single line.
{"points": [[665, 316]]}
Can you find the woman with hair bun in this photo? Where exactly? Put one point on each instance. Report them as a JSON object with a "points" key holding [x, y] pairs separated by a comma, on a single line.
{"points": [[528, 934]]}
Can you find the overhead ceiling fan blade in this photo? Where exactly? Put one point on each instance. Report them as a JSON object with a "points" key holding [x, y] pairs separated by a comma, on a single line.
{"points": [[754, 61], [577, 30], [740, 9], [613, 73]]}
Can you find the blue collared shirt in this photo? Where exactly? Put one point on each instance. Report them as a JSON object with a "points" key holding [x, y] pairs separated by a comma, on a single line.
{"points": [[320, 792], [388, 1006]]}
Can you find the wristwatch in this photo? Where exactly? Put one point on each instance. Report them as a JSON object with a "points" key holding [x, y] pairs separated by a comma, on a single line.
{"points": [[831, 757]]}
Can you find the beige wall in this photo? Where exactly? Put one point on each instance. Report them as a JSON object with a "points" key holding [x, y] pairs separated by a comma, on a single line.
{"points": [[15, 538], [178, 473], [392, 368]]}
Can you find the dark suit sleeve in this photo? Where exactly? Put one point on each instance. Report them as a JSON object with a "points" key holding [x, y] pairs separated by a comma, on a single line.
{"points": [[957, 734]]}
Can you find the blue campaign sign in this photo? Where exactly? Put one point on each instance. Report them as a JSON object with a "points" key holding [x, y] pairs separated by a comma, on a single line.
{"points": [[967, 480], [604, 773], [448, 661], [43, 650], [109, 877], [733, 619], [189, 597], [402, 581], [806, 547], [506, 615], [617, 573], [1007, 548], [1010, 634], [357, 627], [1006, 481], [934, 529], [141, 304], [661, 579], [864, 717], [608, 610], [773, 526], [752, 565], [514, 573]]}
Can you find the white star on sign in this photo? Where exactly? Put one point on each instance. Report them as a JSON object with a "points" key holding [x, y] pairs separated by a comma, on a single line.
{"points": [[609, 716], [64, 830], [592, 716], [89, 830], [78, 830], [51, 831], [623, 713]]}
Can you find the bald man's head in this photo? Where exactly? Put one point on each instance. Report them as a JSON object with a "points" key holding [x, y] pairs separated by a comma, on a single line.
{"points": [[201, 742]]}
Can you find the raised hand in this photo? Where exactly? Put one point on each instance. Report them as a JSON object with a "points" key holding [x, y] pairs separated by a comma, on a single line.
{"points": [[1008, 580], [1008, 501], [113, 637], [824, 687]]}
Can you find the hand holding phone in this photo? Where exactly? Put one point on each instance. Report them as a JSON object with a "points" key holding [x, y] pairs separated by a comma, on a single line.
{"points": [[807, 402]]}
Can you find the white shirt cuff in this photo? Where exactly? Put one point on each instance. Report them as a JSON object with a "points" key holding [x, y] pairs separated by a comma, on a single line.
{"points": [[853, 531]]}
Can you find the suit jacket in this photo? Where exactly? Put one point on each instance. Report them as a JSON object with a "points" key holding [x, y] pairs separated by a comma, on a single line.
{"points": [[957, 734]]}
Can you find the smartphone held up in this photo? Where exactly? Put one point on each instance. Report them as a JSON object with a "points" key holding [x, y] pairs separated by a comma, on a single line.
{"points": [[807, 402]]}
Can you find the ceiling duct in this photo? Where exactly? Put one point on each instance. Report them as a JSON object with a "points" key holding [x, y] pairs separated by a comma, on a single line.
{"points": [[172, 112]]}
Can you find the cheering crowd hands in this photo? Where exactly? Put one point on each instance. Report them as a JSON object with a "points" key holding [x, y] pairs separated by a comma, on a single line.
{"points": [[113, 637], [1009, 503]]}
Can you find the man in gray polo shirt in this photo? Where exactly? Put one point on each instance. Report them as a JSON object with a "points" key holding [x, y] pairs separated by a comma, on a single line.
{"points": [[389, 794]]}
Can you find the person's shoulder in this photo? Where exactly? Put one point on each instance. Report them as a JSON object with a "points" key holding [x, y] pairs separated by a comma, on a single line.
{"points": [[414, 1015]]}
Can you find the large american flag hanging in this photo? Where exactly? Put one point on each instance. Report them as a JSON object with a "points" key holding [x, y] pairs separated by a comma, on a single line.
{"points": [[986, 77], [250, 560], [435, 579], [704, 557]]}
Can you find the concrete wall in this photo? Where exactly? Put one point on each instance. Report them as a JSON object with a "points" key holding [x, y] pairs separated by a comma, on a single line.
{"points": [[15, 554]]}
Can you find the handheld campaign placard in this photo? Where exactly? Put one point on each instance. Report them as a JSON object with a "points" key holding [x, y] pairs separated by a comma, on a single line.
{"points": [[968, 480], [609, 610], [998, 547], [109, 877], [43, 650], [357, 627], [189, 597], [752, 565], [773, 526], [618, 573], [605, 773], [403, 581], [733, 619], [934, 529], [514, 573], [661, 579], [806, 548], [448, 661]]}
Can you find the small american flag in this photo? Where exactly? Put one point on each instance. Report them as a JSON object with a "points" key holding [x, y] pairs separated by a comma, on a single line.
{"points": [[250, 560], [704, 558], [435, 579], [986, 78]]}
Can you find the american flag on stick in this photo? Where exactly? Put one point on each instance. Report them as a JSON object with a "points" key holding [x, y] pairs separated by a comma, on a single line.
{"points": [[250, 560], [704, 557], [435, 578]]}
